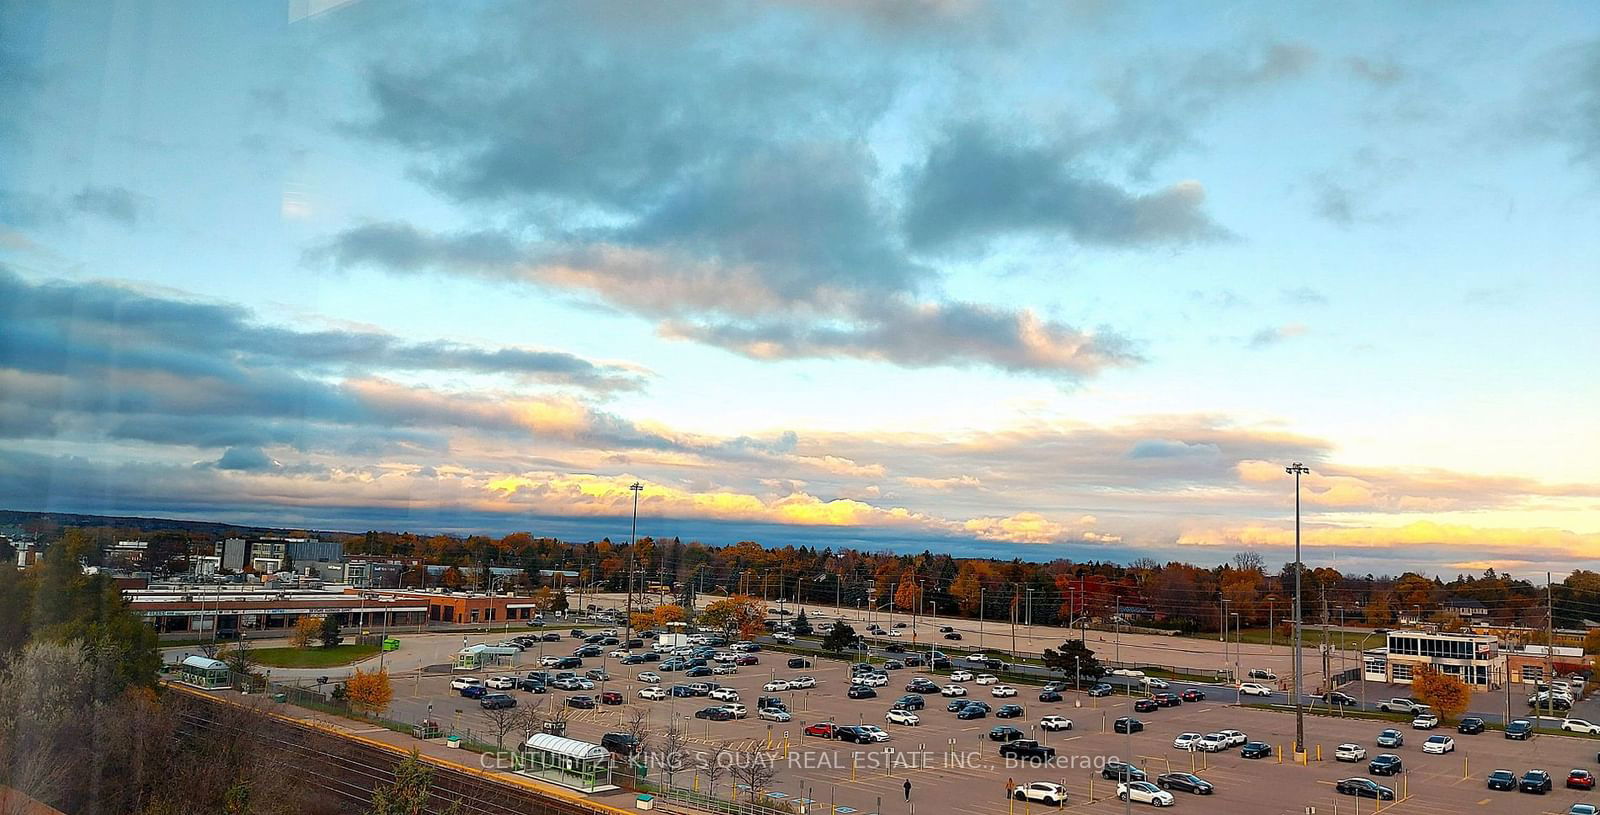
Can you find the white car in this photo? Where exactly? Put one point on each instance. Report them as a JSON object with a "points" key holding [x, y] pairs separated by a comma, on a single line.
{"points": [[1144, 792], [1055, 723], [724, 656], [1127, 672], [1212, 743], [960, 676], [549, 660], [500, 683], [653, 693], [803, 682], [892, 633], [953, 690], [464, 682], [1154, 682], [736, 709], [776, 685], [725, 695], [1439, 745], [724, 670], [650, 677], [1254, 689], [621, 653], [773, 714], [987, 679], [786, 639], [1042, 792], [872, 680], [1579, 726], [1186, 741], [1425, 721], [902, 717], [1234, 737], [1349, 752], [873, 732], [1003, 691]]}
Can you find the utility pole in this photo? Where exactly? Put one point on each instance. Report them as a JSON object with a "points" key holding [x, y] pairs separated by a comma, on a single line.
{"points": [[1549, 646], [980, 616], [1297, 469], [1327, 655], [1030, 609], [1222, 618]]}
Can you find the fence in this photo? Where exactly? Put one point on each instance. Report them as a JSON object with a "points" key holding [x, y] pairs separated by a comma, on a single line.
{"points": [[701, 799]]}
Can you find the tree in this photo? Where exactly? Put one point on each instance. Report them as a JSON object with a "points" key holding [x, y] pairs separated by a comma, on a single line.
{"points": [[1447, 695], [905, 594], [669, 613], [1074, 656], [967, 589], [410, 792], [329, 631], [839, 639], [713, 765], [306, 629], [239, 658], [802, 626], [502, 720], [369, 692], [741, 612], [756, 771]]}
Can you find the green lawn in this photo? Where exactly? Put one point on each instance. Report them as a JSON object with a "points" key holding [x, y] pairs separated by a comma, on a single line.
{"points": [[313, 657], [1312, 635]]}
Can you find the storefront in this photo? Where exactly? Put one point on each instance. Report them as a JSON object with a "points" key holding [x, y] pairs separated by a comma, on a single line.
{"points": [[478, 656], [568, 762]]}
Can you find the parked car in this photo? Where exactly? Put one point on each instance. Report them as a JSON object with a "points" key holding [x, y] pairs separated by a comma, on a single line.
{"points": [[1008, 712], [1502, 780], [495, 701], [1364, 788], [860, 692], [622, 744], [461, 683], [826, 730], [1049, 696], [500, 682], [1402, 705], [1144, 792], [1185, 782], [953, 691], [1385, 764], [1580, 780], [1579, 726], [1027, 749], [903, 717], [1349, 752], [1145, 706], [1256, 749], [1439, 745], [1535, 781], [1121, 771], [1192, 695], [652, 693], [1127, 724], [773, 714], [1254, 689], [1004, 733], [1053, 724], [1002, 691], [474, 691], [1391, 738], [799, 662], [961, 676], [1212, 743], [583, 702], [777, 686], [1042, 792], [910, 701], [1263, 673], [1101, 689], [1471, 726], [715, 714], [1425, 721], [1520, 729], [1186, 741]]}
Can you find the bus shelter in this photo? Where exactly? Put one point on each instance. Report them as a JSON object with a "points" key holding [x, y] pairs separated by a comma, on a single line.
{"points": [[568, 762], [478, 656], [203, 672]]}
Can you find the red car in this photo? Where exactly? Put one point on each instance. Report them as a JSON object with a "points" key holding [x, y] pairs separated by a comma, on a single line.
{"points": [[610, 697], [746, 659], [827, 730], [1192, 695], [1580, 780]]}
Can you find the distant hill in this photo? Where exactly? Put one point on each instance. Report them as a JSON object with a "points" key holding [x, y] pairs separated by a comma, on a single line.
{"points": [[9, 517]]}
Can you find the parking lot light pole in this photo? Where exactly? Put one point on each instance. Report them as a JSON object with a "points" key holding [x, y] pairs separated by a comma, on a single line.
{"points": [[1297, 469]]}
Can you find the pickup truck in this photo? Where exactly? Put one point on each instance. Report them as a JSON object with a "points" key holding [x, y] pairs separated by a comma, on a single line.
{"points": [[1027, 748], [1400, 705]]}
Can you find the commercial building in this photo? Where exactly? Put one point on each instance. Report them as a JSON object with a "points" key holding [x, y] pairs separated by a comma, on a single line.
{"points": [[1475, 659], [1529, 663], [233, 608]]}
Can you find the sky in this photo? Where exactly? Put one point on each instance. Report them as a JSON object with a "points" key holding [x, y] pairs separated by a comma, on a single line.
{"points": [[1035, 280]]}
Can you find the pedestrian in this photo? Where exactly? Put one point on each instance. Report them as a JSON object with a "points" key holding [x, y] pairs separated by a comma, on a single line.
{"points": [[908, 789]]}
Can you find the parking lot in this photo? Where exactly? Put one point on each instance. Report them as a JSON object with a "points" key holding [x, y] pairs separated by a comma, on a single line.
{"points": [[953, 766]]}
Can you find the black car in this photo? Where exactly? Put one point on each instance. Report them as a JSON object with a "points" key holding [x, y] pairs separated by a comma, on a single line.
{"points": [[1121, 771], [1185, 782], [634, 643], [939, 663], [861, 692], [1519, 729], [623, 744], [681, 691], [910, 701], [1364, 788], [651, 656], [568, 662], [1385, 764], [1008, 712], [971, 711], [1027, 748], [594, 639], [922, 685], [551, 637], [899, 625], [894, 648], [1167, 700], [799, 662], [953, 635], [1145, 706], [1535, 781], [715, 714], [1472, 726], [956, 705], [1256, 749], [633, 659], [893, 665], [597, 674], [1193, 695], [495, 701], [588, 651], [1049, 696], [1101, 689], [1502, 780], [698, 670], [945, 629], [913, 661], [532, 686], [1338, 699], [765, 702], [1127, 724], [577, 633], [1004, 733], [585, 702]]}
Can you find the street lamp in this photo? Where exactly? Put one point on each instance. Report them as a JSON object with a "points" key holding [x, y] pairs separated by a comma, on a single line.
{"points": [[1297, 469]]}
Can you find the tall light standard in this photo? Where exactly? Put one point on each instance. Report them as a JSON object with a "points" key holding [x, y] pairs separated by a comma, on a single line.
{"points": [[633, 536], [1297, 469]]}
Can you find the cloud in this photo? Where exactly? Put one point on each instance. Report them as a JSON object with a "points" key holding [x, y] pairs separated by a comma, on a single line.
{"points": [[1304, 296], [973, 185], [1380, 72], [1562, 102], [1413, 538], [964, 482], [1168, 448], [1268, 337], [249, 459], [114, 203]]}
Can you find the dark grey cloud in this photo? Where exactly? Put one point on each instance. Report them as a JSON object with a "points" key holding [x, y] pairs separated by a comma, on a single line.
{"points": [[975, 185], [247, 459], [1274, 335], [114, 203], [1382, 72], [1171, 448], [1563, 102]]}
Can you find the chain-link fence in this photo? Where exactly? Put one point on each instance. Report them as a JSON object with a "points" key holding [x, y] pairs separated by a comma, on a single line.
{"points": [[746, 803]]}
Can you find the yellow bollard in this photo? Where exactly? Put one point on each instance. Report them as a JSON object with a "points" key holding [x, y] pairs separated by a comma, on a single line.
{"points": [[1280, 754], [1319, 752]]}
